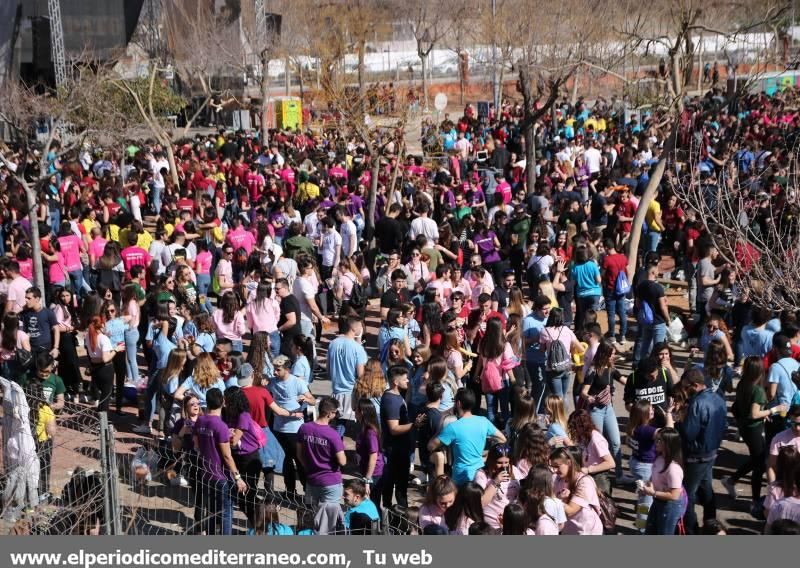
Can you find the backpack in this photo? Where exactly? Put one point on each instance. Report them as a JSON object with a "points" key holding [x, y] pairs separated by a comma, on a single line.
{"points": [[491, 376], [358, 299], [645, 314], [557, 358], [622, 286]]}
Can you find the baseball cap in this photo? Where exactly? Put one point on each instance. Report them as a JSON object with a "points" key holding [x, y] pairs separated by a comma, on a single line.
{"points": [[245, 375]]}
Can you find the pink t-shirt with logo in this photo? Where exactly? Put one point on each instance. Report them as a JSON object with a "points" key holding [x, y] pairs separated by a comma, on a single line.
{"points": [[16, 293], [71, 249], [97, 246], [241, 238], [56, 270], [134, 256]]}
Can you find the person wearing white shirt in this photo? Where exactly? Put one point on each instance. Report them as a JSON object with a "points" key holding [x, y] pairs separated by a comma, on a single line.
{"points": [[349, 233], [312, 223], [330, 247], [157, 251], [423, 225], [593, 158]]}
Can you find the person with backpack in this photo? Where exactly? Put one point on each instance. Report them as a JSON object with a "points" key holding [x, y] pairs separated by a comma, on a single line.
{"points": [[616, 287], [652, 314], [349, 287], [558, 343]]}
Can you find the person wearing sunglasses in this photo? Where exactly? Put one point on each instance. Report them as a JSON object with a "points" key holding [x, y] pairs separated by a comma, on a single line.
{"points": [[500, 487], [789, 437]]}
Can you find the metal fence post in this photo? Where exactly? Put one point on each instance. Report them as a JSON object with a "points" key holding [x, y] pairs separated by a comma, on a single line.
{"points": [[108, 464]]}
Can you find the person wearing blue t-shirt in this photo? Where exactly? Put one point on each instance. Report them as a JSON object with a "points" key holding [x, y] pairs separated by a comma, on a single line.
{"points": [[532, 326], [466, 437], [780, 387], [361, 512], [756, 338], [346, 361]]}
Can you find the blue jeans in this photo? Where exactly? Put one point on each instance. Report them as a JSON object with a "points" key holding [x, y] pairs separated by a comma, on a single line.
{"points": [[663, 517], [155, 196], [131, 342], [79, 285], [493, 399], [221, 505], [642, 471], [203, 284], [321, 494], [55, 220], [582, 305], [653, 238], [559, 385], [697, 478], [275, 345], [649, 335], [605, 420], [615, 306]]}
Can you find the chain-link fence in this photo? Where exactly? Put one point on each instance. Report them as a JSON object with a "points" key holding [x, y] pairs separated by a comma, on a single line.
{"points": [[58, 473]]}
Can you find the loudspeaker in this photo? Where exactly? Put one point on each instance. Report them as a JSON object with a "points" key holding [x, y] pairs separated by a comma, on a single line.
{"points": [[272, 23]]}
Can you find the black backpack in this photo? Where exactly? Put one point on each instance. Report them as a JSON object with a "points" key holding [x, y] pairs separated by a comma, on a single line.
{"points": [[358, 298]]}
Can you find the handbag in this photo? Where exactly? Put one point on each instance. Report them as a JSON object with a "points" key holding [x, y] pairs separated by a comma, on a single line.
{"points": [[608, 511], [24, 359]]}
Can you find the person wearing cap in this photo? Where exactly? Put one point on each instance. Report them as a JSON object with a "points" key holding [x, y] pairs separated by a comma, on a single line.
{"points": [[288, 391], [260, 399]]}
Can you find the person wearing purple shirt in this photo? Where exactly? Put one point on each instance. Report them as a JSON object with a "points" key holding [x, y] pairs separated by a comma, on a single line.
{"points": [[488, 246], [212, 440], [246, 443], [321, 452]]}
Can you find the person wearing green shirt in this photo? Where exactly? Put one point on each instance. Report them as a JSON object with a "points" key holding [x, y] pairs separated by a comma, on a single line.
{"points": [[520, 226], [52, 385], [461, 209]]}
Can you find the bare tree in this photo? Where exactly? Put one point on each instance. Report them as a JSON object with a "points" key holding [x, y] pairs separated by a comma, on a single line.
{"points": [[430, 24], [672, 27], [79, 111]]}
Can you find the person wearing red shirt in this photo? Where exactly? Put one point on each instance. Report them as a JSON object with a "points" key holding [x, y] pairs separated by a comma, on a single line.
{"points": [[476, 322], [614, 263], [133, 255], [625, 212], [185, 203]]}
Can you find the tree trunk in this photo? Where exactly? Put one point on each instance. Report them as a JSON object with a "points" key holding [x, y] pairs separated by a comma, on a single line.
{"points": [[462, 80], [424, 59], [300, 77], [361, 48], [530, 158], [391, 189], [369, 222], [287, 78], [264, 99], [173, 165], [647, 198], [575, 81], [36, 246]]}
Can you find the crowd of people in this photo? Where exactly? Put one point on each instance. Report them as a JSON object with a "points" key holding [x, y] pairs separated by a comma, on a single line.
{"points": [[206, 292]]}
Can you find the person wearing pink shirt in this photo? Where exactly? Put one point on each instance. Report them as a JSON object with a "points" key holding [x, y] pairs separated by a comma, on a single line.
{"points": [[71, 247], [15, 301], [96, 246], [133, 255], [230, 320], [239, 237], [263, 313]]}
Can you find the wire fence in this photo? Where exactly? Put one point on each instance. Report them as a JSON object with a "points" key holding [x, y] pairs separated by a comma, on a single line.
{"points": [[169, 492], [64, 485]]}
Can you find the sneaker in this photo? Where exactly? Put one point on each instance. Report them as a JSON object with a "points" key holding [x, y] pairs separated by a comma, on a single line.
{"points": [[757, 511], [143, 429], [730, 487], [179, 481], [416, 481]]}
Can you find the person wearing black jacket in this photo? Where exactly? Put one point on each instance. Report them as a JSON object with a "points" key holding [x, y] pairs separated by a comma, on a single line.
{"points": [[701, 431]]}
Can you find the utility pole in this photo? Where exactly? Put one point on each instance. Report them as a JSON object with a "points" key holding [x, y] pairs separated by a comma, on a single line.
{"points": [[495, 76], [57, 42]]}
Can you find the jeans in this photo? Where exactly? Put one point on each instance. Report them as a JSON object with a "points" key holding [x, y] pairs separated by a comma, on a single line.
{"points": [[493, 399], [55, 220], [642, 471], [538, 385], [203, 285], [217, 505], [155, 196], [653, 238], [605, 420], [615, 306], [582, 305], [79, 285], [649, 335], [322, 494], [275, 344], [663, 517], [237, 345], [131, 342], [559, 385], [697, 478]]}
